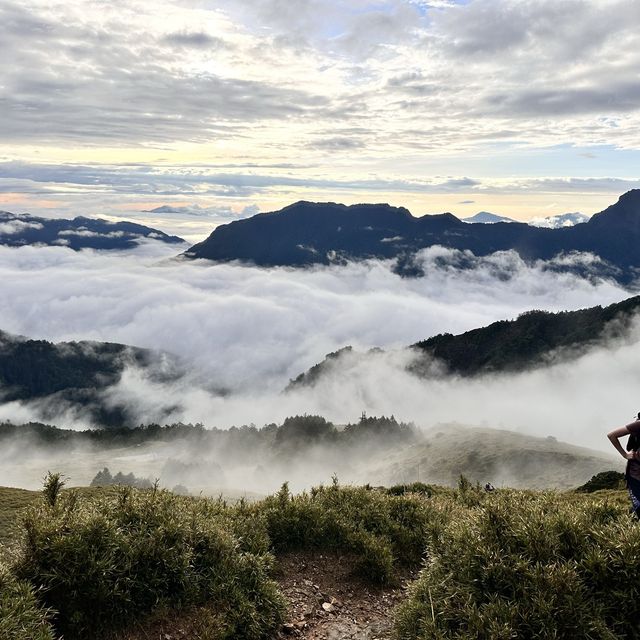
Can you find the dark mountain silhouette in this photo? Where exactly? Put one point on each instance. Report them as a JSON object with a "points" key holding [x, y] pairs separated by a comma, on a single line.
{"points": [[307, 233], [535, 338], [73, 374], [79, 233]]}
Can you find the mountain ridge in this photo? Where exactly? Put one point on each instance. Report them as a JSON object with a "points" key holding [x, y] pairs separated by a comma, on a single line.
{"points": [[531, 340], [304, 234], [74, 374], [77, 233]]}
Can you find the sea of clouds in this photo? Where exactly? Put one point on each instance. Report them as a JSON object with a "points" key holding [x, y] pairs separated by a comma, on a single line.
{"points": [[247, 331]]}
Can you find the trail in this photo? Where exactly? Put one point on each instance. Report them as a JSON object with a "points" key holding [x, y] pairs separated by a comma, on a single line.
{"points": [[326, 602]]}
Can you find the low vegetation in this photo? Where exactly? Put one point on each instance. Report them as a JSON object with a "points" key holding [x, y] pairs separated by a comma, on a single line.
{"points": [[381, 530], [21, 615], [100, 563], [604, 480], [516, 564], [502, 564]]}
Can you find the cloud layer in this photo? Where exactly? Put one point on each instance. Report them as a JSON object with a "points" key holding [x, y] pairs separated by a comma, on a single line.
{"points": [[247, 331]]}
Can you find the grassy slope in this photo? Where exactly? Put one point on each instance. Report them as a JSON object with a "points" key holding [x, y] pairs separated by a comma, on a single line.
{"points": [[491, 455], [12, 502]]}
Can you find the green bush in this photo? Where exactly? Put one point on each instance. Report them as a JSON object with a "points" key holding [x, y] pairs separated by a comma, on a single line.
{"points": [[101, 563], [522, 565], [21, 616], [414, 487], [380, 529], [604, 480]]}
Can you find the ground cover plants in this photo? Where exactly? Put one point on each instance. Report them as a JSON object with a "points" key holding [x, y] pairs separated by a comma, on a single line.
{"points": [[21, 615], [503, 564]]}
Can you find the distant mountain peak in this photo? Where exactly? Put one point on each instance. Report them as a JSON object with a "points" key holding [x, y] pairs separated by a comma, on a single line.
{"points": [[486, 217], [624, 213], [560, 220]]}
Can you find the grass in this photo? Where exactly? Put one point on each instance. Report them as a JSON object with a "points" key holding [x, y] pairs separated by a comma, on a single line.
{"points": [[21, 615], [12, 503]]}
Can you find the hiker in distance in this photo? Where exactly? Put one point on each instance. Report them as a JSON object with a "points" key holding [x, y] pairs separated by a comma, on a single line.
{"points": [[632, 456]]}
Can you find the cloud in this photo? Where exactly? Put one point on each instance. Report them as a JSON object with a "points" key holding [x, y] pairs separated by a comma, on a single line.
{"points": [[85, 233], [10, 227], [272, 73], [197, 39], [248, 331], [218, 213], [109, 83], [337, 143], [184, 180], [351, 28]]}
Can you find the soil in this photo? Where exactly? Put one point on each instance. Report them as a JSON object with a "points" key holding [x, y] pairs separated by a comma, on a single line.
{"points": [[327, 602]]}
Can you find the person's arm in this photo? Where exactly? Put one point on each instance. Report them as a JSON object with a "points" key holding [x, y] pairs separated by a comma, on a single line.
{"points": [[614, 436]]}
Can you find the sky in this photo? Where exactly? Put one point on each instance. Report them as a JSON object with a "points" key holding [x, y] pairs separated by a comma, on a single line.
{"points": [[218, 109]]}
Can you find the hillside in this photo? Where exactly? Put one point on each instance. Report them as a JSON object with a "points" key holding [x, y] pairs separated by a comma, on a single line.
{"points": [[535, 338], [504, 458], [307, 233], [79, 233], [73, 373]]}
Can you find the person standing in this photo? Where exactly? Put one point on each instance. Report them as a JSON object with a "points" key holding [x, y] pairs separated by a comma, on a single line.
{"points": [[632, 456]]}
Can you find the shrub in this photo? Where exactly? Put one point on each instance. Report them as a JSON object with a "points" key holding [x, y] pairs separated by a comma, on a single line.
{"points": [[21, 617], [603, 480], [414, 487], [525, 565], [380, 529], [103, 562]]}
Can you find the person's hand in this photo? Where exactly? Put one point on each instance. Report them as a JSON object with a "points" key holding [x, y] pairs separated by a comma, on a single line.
{"points": [[631, 455]]}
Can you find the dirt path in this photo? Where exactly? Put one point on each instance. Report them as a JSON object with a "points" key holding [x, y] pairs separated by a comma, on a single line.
{"points": [[327, 603]]}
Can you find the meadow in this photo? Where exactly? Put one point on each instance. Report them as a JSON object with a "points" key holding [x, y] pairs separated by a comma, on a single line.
{"points": [[101, 562]]}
